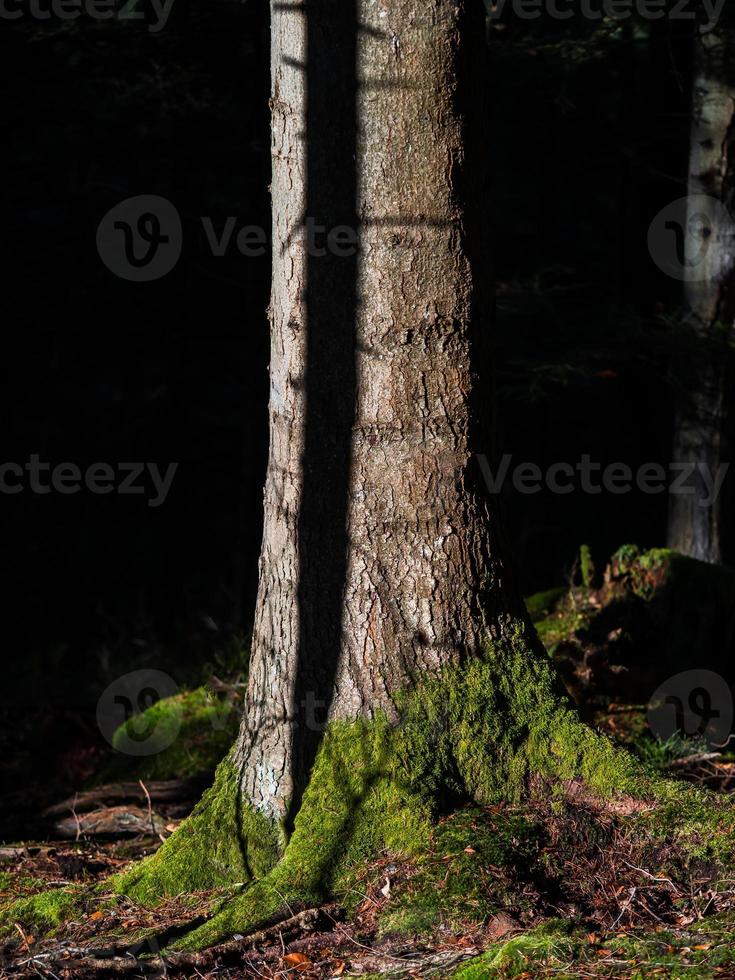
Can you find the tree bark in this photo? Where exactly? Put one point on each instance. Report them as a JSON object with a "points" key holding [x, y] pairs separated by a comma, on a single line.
{"points": [[380, 559], [695, 529]]}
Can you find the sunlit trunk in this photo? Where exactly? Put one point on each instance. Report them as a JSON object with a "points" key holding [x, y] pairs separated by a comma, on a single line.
{"points": [[380, 562]]}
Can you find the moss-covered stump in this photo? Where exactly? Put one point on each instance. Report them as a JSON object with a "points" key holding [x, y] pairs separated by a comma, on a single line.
{"points": [[495, 731], [657, 613]]}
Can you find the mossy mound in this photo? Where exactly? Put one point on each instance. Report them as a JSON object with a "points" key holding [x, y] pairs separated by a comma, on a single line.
{"points": [[39, 913], [196, 727], [656, 614]]}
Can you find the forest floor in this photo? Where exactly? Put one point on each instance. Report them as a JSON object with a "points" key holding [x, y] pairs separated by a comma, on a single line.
{"points": [[568, 887]]}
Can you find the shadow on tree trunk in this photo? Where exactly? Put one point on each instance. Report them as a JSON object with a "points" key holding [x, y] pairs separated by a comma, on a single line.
{"points": [[331, 379]]}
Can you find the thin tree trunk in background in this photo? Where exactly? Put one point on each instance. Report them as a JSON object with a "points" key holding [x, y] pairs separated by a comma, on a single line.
{"points": [[379, 562], [699, 432]]}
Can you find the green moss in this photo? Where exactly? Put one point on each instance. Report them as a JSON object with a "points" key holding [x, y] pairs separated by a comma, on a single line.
{"points": [[553, 949], [199, 726], [541, 604], [358, 801], [701, 823], [478, 731], [586, 566], [570, 614], [455, 881], [42, 912], [645, 571], [485, 728], [219, 845], [549, 943]]}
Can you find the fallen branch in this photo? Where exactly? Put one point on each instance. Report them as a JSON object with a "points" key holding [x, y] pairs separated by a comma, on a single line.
{"points": [[81, 963], [163, 791], [115, 821]]}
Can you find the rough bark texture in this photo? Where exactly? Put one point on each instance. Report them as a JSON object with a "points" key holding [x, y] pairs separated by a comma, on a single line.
{"points": [[380, 562], [695, 529]]}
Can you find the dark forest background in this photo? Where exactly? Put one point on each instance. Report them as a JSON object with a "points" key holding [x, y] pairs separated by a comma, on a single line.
{"points": [[588, 141]]}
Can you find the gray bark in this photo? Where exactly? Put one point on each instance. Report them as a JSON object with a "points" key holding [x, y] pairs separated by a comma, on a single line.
{"points": [[380, 559], [695, 529]]}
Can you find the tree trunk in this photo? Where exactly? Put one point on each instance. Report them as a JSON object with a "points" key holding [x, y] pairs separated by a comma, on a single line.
{"points": [[694, 520], [379, 561], [393, 671]]}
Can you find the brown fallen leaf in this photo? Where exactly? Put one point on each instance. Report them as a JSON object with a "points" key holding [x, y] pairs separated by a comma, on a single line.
{"points": [[339, 968], [500, 925], [97, 915], [297, 961]]}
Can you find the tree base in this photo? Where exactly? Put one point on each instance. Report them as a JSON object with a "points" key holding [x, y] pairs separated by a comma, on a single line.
{"points": [[492, 731]]}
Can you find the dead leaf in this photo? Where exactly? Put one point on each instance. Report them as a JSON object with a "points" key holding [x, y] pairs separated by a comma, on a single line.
{"points": [[97, 915], [469, 850], [297, 961], [339, 968], [500, 925]]}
